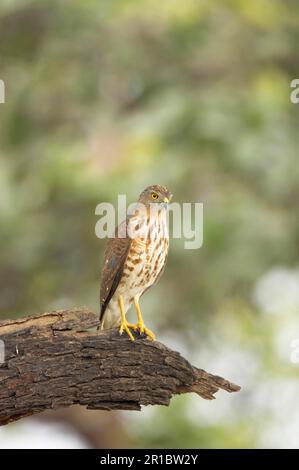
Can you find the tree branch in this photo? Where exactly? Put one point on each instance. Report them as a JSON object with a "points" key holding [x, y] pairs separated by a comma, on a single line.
{"points": [[55, 360]]}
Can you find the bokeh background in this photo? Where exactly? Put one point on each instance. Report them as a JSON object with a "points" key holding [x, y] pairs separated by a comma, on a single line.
{"points": [[105, 97]]}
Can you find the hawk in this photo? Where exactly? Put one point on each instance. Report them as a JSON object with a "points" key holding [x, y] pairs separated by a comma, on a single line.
{"points": [[134, 260]]}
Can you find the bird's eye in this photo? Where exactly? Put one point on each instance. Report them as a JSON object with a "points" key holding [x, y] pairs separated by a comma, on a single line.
{"points": [[155, 196]]}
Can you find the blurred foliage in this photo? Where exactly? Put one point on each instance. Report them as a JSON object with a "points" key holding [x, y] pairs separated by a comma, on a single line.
{"points": [[105, 97]]}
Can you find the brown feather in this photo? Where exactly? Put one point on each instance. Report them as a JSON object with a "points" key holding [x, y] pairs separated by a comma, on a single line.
{"points": [[114, 259], [158, 276]]}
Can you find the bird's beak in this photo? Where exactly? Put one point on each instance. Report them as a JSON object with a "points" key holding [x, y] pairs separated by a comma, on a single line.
{"points": [[167, 199]]}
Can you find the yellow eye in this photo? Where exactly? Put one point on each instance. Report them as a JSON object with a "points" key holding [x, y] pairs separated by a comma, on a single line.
{"points": [[155, 196]]}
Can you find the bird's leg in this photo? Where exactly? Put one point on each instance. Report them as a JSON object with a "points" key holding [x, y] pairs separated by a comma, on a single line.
{"points": [[124, 326], [140, 324]]}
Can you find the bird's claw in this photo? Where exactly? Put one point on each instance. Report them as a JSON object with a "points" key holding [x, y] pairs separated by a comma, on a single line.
{"points": [[126, 327], [143, 330]]}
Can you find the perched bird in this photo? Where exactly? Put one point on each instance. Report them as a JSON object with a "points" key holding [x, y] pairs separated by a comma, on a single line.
{"points": [[134, 260]]}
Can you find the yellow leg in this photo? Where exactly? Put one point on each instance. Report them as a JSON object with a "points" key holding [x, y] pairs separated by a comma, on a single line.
{"points": [[140, 324], [124, 326]]}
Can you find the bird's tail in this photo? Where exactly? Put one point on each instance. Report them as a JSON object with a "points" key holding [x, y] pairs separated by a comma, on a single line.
{"points": [[101, 323], [109, 319]]}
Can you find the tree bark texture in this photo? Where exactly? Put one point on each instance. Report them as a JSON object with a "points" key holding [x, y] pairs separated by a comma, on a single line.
{"points": [[57, 359]]}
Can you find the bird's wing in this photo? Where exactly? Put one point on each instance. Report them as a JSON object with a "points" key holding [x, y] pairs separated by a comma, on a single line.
{"points": [[114, 259]]}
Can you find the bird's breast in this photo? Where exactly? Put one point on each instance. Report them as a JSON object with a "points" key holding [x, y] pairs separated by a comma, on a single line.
{"points": [[146, 258]]}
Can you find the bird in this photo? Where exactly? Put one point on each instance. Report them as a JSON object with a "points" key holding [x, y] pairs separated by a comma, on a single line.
{"points": [[134, 261]]}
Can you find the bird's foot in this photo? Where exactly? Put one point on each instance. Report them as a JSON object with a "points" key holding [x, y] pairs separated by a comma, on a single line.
{"points": [[125, 326], [140, 326]]}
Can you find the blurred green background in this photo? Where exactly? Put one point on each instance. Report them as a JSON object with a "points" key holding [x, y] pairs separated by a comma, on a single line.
{"points": [[105, 97]]}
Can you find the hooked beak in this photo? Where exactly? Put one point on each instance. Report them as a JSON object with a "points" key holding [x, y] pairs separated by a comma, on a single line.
{"points": [[168, 199]]}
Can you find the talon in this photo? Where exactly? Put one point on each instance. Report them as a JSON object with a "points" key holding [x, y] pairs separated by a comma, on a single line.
{"points": [[140, 325], [126, 327], [149, 333], [143, 330]]}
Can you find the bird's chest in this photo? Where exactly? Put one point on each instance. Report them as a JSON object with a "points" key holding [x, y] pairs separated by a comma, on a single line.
{"points": [[146, 258]]}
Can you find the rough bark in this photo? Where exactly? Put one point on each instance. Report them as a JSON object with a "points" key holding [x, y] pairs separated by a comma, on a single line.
{"points": [[57, 359]]}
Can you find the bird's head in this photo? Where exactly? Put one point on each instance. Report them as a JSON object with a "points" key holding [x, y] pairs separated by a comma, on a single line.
{"points": [[155, 194]]}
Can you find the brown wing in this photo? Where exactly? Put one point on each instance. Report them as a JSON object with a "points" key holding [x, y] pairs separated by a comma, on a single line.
{"points": [[114, 259]]}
